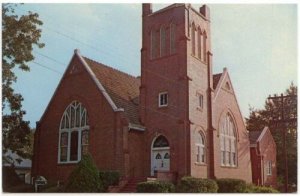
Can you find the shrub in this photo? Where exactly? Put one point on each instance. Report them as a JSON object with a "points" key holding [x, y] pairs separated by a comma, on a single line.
{"points": [[228, 185], [85, 177], [109, 178], [259, 189], [155, 187], [196, 185], [10, 177]]}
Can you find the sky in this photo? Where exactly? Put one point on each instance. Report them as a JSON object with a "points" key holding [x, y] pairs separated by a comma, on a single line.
{"points": [[257, 43]]}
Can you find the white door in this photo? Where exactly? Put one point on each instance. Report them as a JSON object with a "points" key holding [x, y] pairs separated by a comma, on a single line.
{"points": [[160, 155], [160, 160]]}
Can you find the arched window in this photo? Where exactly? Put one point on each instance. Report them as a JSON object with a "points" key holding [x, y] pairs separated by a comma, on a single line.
{"points": [[228, 142], [162, 41], [153, 44], [200, 148], [199, 43], [172, 38], [193, 39], [204, 40], [73, 133], [160, 141]]}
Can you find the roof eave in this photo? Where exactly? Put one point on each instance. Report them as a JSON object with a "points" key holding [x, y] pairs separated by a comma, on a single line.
{"points": [[136, 127]]}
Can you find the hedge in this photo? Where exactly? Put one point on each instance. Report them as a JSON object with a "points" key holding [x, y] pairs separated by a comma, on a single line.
{"points": [[260, 189], [190, 184], [228, 185], [84, 178], [109, 178], [155, 187]]}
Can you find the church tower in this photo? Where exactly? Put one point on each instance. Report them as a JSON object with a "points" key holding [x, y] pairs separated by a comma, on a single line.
{"points": [[175, 91]]}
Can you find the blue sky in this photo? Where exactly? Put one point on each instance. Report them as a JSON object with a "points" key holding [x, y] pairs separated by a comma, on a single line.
{"points": [[257, 43]]}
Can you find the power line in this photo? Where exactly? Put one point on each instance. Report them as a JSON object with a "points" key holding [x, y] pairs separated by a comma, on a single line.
{"points": [[50, 58], [47, 67]]}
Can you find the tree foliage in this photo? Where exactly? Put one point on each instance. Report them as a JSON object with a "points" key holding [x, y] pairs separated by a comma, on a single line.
{"points": [[20, 34], [269, 116]]}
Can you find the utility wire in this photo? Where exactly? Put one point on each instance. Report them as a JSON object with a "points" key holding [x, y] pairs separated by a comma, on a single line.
{"points": [[47, 67]]}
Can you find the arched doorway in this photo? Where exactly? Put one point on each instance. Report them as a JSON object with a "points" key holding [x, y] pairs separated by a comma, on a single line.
{"points": [[160, 155]]}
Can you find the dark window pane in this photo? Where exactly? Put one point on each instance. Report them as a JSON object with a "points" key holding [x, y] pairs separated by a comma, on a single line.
{"points": [[161, 141], [74, 146]]}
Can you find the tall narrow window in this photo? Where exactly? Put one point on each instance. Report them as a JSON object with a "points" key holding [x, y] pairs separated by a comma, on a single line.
{"points": [[162, 41], [269, 168], [153, 44], [84, 142], [172, 38], [73, 135], [228, 142], [201, 101], [74, 146], [200, 148], [199, 43], [204, 46], [163, 99], [193, 39]]}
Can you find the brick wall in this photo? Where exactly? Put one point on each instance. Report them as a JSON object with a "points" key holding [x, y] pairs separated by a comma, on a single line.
{"points": [[78, 86]]}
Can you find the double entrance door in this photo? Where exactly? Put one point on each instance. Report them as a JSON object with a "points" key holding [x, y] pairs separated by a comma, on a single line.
{"points": [[160, 160]]}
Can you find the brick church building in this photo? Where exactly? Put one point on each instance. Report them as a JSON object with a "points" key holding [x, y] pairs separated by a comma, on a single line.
{"points": [[176, 119]]}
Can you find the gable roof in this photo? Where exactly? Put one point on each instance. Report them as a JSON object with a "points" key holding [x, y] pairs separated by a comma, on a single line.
{"points": [[253, 136], [122, 88], [216, 79]]}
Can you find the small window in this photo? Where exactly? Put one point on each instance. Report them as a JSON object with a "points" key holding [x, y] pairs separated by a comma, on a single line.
{"points": [[167, 156], [269, 168], [201, 101], [163, 99], [158, 156]]}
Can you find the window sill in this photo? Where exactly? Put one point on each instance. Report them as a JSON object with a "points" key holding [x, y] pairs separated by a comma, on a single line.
{"points": [[199, 108], [204, 62], [200, 164], [163, 57], [162, 106], [68, 163], [229, 166]]}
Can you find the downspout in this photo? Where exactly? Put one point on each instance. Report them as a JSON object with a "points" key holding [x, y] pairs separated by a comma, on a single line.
{"points": [[210, 128]]}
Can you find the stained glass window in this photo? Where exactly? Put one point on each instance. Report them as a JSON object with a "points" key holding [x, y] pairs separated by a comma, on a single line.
{"points": [[161, 141], [228, 142], [74, 125]]}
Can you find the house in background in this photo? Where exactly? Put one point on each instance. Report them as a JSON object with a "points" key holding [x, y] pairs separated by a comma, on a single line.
{"points": [[22, 169], [177, 119], [263, 158]]}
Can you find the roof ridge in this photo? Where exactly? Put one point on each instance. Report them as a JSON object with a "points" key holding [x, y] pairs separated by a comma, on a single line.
{"points": [[122, 72]]}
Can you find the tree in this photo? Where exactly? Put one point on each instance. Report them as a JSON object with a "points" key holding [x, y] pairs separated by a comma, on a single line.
{"points": [[19, 35], [268, 116]]}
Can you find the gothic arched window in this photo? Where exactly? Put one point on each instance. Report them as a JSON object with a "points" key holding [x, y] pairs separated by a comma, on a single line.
{"points": [[193, 39], [153, 44], [73, 133], [160, 141], [172, 38], [162, 41], [199, 43], [228, 142], [200, 148], [204, 40]]}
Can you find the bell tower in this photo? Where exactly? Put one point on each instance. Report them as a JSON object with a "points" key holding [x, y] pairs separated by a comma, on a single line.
{"points": [[176, 81]]}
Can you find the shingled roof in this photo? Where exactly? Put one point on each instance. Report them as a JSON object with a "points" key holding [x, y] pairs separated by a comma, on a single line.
{"points": [[253, 136], [216, 79], [121, 87]]}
